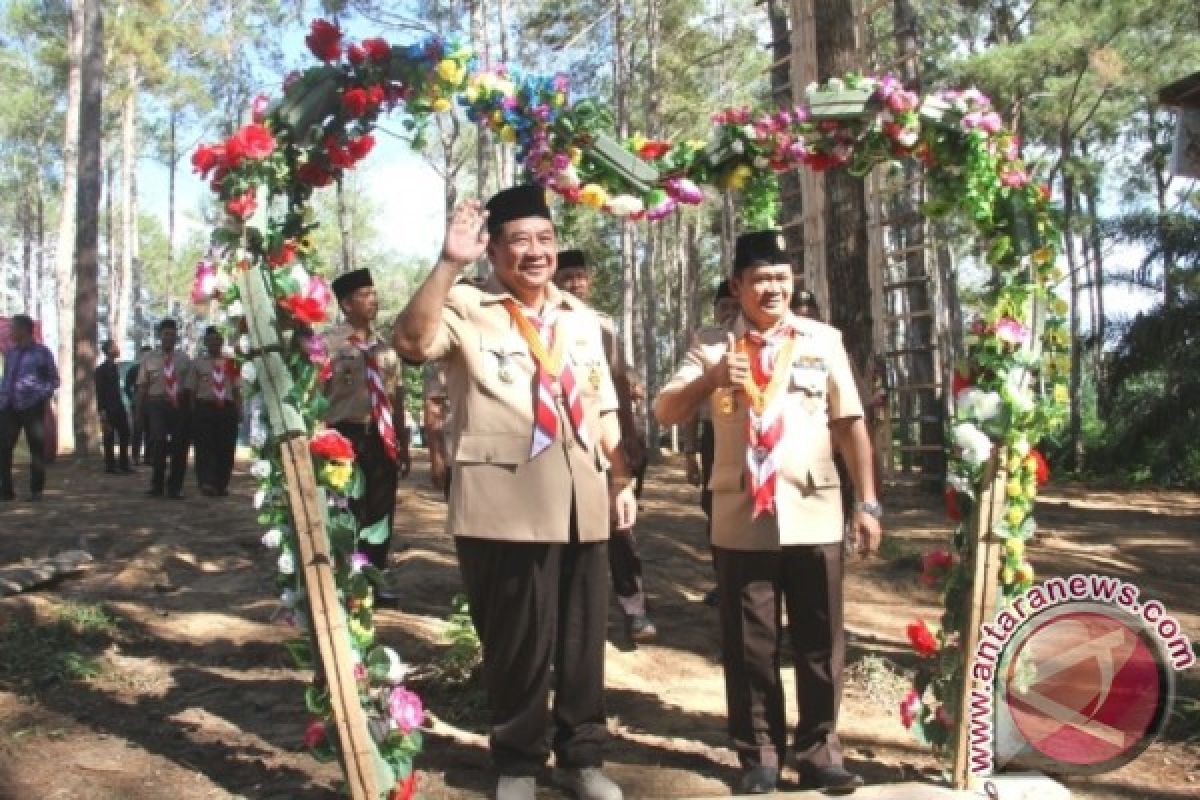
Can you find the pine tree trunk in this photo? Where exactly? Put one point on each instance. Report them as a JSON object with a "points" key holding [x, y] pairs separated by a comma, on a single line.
{"points": [[1075, 424], [86, 423], [111, 250], [172, 166], [64, 269], [120, 298], [845, 207], [656, 251], [343, 221]]}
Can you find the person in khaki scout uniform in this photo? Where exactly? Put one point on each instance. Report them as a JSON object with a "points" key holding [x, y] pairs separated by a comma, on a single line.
{"points": [[216, 409], [533, 433], [624, 563], [782, 397], [162, 395], [364, 390]]}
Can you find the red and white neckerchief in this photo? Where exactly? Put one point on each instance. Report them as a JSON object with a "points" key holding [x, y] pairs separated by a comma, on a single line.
{"points": [[764, 416], [554, 375], [381, 404], [170, 383], [220, 383]]}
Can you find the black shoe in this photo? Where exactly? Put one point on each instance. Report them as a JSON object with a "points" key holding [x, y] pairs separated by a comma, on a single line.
{"points": [[641, 629], [154, 493], [759, 780], [832, 780]]}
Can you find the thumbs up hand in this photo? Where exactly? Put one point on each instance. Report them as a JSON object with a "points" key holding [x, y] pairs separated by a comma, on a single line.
{"points": [[733, 369]]}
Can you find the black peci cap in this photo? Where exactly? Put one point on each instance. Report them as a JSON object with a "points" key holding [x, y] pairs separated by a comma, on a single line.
{"points": [[345, 285], [572, 259], [518, 202], [759, 248], [723, 291]]}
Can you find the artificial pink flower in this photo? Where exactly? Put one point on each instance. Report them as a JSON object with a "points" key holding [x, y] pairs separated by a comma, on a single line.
{"points": [[1011, 331], [405, 709], [910, 707], [314, 734]]}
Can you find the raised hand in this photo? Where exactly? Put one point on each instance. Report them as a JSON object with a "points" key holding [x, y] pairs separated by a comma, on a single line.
{"points": [[466, 236], [733, 369]]}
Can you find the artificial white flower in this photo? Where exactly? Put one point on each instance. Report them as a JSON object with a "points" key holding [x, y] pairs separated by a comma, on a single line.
{"points": [[959, 483], [762, 162], [258, 436], [243, 344], [624, 205], [750, 132], [260, 497], [737, 146], [397, 669], [812, 87], [835, 84], [976, 404], [568, 178], [249, 372], [261, 469], [973, 443], [235, 309], [1021, 447], [287, 562], [272, 538]]}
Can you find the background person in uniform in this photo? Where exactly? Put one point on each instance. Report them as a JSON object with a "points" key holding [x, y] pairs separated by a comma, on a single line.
{"points": [[163, 379], [574, 276], [433, 417], [533, 415], [782, 398], [364, 392], [698, 432], [111, 405], [29, 381], [216, 411], [137, 440]]}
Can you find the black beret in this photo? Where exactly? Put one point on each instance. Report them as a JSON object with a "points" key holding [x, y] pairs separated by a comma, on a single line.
{"points": [[518, 202], [345, 285], [572, 259], [759, 248]]}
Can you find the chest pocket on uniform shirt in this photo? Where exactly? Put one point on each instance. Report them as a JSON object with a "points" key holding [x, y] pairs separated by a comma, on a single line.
{"points": [[588, 367], [810, 381], [506, 363], [346, 366]]}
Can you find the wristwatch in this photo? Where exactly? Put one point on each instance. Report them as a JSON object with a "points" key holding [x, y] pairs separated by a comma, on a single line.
{"points": [[870, 507]]}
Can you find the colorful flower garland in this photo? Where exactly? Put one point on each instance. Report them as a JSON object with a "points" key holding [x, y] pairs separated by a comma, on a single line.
{"points": [[323, 126]]}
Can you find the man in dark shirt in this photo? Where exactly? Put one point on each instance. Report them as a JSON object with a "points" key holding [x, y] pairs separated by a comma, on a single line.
{"points": [[112, 410], [30, 379], [137, 443]]}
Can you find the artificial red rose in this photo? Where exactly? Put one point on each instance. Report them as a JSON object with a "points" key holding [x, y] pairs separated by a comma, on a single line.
{"points": [[405, 788], [331, 445], [922, 639], [375, 96], [1044, 190], [1043, 469], [355, 54], [378, 50], [910, 707], [355, 102], [361, 147], [819, 162], [935, 565], [314, 734], [243, 205], [313, 174], [959, 382], [206, 157], [951, 498], [654, 148], [308, 310], [255, 141], [324, 40], [338, 155], [284, 255]]}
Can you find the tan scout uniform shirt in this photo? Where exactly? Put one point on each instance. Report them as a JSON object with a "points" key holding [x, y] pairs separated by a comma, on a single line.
{"points": [[807, 498], [498, 492], [150, 373], [200, 382], [349, 397]]}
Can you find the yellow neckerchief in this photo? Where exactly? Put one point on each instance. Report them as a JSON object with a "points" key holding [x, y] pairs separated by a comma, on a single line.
{"points": [[551, 362]]}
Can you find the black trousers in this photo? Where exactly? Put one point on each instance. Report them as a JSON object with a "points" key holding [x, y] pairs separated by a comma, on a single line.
{"points": [[138, 447], [379, 498], [754, 586], [540, 610], [116, 434], [215, 430], [626, 567], [168, 437], [32, 421]]}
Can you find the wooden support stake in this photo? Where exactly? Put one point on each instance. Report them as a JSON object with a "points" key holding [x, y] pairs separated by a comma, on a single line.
{"points": [[983, 561], [364, 768]]}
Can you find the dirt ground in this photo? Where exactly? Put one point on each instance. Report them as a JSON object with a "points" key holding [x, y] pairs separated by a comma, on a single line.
{"points": [[159, 673]]}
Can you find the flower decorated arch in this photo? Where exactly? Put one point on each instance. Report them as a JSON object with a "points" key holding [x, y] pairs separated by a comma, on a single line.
{"points": [[1010, 389]]}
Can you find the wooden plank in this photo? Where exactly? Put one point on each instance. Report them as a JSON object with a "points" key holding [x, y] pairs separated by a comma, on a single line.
{"points": [[911, 315], [904, 283], [915, 387], [983, 562]]}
